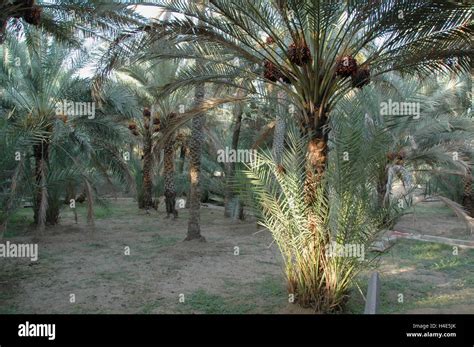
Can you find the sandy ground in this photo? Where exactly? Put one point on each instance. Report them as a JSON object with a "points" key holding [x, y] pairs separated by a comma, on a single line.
{"points": [[237, 271], [441, 222], [159, 271]]}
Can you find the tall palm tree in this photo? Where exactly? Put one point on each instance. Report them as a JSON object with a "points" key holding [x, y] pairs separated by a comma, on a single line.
{"points": [[327, 46], [326, 51], [145, 80], [195, 152]]}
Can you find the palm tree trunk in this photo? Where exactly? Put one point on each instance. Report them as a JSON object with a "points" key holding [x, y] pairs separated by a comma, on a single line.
{"points": [[41, 154], [3, 29], [3, 226], [467, 194], [382, 202], [147, 202], [280, 131], [9, 203], [182, 158], [316, 153], [316, 162], [170, 189], [228, 194], [195, 151], [52, 214]]}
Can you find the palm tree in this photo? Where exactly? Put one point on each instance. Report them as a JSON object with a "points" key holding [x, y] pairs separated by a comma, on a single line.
{"points": [[145, 79], [318, 66], [326, 51], [403, 146], [66, 21], [62, 138], [195, 151]]}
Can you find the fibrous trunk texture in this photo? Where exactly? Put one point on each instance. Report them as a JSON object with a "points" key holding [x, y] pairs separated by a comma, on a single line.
{"points": [[467, 195], [170, 189], [147, 200], [280, 129], [228, 194], [41, 155], [195, 152]]}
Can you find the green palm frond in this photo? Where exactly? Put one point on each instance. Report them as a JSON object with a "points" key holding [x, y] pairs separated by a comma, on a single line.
{"points": [[343, 217]]}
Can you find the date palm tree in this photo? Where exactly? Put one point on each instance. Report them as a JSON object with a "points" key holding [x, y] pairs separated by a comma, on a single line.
{"points": [[145, 80], [67, 21], [326, 51], [40, 77], [195, 152], [329, 49], [412, 148]]}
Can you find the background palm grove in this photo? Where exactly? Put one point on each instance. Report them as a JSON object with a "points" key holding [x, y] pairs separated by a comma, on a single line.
{"points": [[236, 156]]}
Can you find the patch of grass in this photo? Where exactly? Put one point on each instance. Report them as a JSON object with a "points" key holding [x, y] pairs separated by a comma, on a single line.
{"points": [[266, 295], [79, 309], [22, 215], [164, 241], [100, 211], [431, 209], [18, 224], [272, 292], [425, 259], [118, 276], [9, 310], [149, 307], [50, 257], [446, 264], [415, 250], [107, 210], [6, 306], [412, 291], [202, 302], [95, 245], [445, 300], [272, 287], [146, 228]]}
